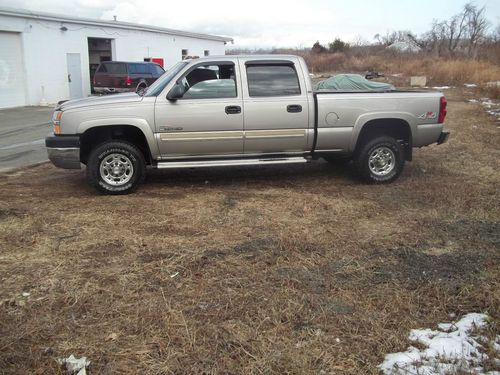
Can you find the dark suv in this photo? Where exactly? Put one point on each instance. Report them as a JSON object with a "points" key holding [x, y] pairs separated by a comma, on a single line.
{"points": [[119, 76]]}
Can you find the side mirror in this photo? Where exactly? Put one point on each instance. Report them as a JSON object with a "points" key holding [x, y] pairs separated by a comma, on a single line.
{"points": [[177, 92]]}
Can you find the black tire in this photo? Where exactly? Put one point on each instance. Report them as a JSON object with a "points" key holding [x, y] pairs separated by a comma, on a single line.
{"points": [[141, 86], [390, 164], [126, 158]]}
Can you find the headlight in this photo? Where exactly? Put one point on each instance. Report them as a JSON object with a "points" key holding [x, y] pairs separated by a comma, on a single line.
{"points": [[56, 120]]}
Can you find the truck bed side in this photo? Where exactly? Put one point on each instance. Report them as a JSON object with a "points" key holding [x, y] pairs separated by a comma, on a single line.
{"points": [[342, 116]]}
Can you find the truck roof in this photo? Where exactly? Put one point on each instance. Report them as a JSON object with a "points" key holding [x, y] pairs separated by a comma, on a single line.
{"points": [[247, 56]]}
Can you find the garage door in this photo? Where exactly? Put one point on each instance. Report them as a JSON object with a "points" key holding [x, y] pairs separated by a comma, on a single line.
{"points": [[11, 71]]}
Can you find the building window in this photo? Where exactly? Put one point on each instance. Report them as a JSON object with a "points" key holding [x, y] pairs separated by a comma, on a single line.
{"points": [[207, 52], [185, 53]]}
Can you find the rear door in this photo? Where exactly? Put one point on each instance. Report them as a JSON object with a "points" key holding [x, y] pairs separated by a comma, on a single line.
{"points": [[276, 107], [139, 72], [111, 74], [208, 119]]}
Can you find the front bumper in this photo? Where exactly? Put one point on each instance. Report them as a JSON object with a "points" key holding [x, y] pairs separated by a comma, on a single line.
{"points": [[443, 137], [63, 150]]}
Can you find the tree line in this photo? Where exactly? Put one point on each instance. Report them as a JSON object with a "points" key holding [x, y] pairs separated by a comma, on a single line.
{"points": [[461, 34]]}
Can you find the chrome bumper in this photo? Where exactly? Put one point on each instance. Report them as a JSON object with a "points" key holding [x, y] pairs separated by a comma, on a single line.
{"points": [[63, 151], [67, 158]]}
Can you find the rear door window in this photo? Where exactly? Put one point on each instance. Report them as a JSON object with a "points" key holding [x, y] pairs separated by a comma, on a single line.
{"points": [[272, 80], [113, 68], [138, 69], [156, 70]]}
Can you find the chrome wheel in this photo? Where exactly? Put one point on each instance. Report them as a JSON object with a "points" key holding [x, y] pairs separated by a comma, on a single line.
{"points": [[382, 161], [116, 169]]}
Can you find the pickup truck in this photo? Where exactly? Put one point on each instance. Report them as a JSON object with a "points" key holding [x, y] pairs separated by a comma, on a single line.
{"points": [[241, 110]]}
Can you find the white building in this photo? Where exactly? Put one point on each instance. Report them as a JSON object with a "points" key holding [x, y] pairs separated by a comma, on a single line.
{"points": [[42, 54]]}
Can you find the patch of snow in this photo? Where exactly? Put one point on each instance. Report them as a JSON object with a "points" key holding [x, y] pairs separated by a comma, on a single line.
{"points": [[441, 87], [452, 347], [489, 104], [75, 365], [470, 85], [495, 112]]}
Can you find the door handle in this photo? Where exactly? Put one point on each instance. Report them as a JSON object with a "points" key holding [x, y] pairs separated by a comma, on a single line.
{"points": [[294, 108], [233, 109], [69, 78]]}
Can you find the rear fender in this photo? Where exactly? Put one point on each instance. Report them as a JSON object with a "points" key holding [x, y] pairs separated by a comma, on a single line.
{"points": [[363, 121]]}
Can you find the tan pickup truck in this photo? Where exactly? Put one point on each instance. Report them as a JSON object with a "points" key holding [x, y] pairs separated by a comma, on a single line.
{"points": [[241, 110]]}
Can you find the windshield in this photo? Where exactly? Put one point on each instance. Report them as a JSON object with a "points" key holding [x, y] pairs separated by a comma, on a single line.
{"points": [[164, 80]]}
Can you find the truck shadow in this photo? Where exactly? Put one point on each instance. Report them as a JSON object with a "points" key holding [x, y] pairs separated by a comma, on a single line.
{"points": [[269, 175]]}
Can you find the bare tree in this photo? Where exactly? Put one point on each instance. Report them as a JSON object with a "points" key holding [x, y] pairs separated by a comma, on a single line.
{"points": [[391, 37], [461, 33], [455, 29], [477, 26], [496, 34]]}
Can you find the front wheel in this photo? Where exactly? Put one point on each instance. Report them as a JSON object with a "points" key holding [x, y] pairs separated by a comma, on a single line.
{"points": [[116, 167], [380, 160]]}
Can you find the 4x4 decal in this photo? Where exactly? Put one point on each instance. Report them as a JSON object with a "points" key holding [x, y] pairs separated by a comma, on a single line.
{"points": [[428, 115]]}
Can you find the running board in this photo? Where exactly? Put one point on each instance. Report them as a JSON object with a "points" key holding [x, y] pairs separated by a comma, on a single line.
{"points": [[229, 162]]}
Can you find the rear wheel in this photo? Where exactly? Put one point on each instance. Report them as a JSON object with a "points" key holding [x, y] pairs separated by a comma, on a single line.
{"points": [[116, 167], [380, 160], [141, 86]]}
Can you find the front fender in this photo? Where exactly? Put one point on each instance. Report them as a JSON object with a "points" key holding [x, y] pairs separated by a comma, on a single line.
{"points": [[137, 122]]}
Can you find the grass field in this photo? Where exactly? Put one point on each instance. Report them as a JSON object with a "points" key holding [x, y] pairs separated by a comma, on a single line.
{"points": [[438, 71], [264, 270]]}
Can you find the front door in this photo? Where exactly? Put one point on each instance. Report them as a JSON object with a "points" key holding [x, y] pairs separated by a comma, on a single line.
{"points": [[207, 120], [276, 109], [74, 75]]}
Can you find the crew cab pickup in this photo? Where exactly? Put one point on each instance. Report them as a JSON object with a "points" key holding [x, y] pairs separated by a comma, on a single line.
{"points": [[241, 110]]}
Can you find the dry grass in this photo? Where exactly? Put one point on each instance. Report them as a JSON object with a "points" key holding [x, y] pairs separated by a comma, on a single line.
{"points": [[298, 269], [439, 71]]}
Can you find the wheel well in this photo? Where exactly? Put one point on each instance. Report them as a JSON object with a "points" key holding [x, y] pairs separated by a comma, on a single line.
{"points": [[396, 128], [95, 136]]}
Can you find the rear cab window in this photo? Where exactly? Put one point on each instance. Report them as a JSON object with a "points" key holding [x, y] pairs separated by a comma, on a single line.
{"points": [[268, 80]]}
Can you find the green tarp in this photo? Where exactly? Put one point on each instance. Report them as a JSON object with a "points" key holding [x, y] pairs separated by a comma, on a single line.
{"points": [[352, 82]]}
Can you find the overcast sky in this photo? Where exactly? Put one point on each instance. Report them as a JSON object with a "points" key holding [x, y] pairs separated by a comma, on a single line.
{"points": [[267, 23]]}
